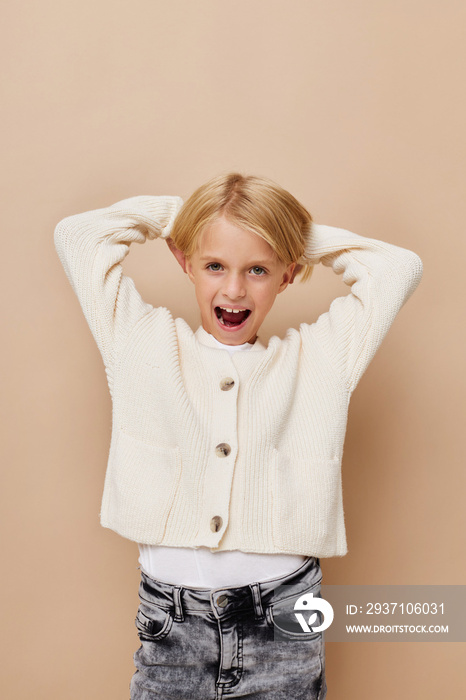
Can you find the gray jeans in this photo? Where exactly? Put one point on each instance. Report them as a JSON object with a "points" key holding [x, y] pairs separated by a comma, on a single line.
{"points": [[213, 644]]}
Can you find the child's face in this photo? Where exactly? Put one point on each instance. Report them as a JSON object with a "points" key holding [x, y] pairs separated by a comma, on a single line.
{"points": [[235, 269]]}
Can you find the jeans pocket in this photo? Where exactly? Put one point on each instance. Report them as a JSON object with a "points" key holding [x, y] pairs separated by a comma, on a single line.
{"points": [[153, 623], [289, 623]]}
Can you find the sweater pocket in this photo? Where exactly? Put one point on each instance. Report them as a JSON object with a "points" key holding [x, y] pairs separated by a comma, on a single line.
{"points": [[141, 484], [307, 504]]}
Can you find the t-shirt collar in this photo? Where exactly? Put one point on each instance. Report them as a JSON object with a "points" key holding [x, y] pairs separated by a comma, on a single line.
{"points": [[205, 338]]}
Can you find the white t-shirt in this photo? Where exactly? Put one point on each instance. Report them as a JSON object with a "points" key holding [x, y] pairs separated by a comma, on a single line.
{"points": [[200, 568]]}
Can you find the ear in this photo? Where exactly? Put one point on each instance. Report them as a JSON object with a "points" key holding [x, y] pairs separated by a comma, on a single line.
{"points": [[179, 255], [297, 268], [189, 269], [287, 278]]}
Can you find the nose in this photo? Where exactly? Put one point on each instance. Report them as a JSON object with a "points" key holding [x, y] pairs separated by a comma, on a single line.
{"points": [[234, 287]]}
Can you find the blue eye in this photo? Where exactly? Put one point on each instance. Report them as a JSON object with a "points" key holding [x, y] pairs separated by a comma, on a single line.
{"points": [[261, 271]]}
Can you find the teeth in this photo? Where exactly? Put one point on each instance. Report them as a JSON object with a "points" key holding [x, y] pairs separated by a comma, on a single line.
{"points": [[235, 311]]}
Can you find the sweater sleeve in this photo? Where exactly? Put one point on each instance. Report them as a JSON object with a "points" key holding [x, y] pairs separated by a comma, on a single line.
{"points": [[92, 246], [382, 277]]}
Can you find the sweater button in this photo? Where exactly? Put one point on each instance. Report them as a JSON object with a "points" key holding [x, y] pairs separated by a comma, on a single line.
{"points": [[216, 523], [223, 450], [227, 384]]}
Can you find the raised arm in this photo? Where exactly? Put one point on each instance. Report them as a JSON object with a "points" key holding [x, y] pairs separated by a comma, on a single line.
{"points": [[92, 246], [382, 277]]}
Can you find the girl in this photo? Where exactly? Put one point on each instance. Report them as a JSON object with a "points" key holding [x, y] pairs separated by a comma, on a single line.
{"points": [[225, 458]]}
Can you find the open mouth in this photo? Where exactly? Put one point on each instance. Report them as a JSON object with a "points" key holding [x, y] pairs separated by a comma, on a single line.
{"points": [[231, 318]]}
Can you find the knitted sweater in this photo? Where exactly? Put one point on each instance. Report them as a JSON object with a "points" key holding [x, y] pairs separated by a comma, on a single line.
{"points": [[252, 463]]}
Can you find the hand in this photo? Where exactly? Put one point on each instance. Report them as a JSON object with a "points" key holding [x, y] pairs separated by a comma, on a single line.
{"points": [[179, 255]]}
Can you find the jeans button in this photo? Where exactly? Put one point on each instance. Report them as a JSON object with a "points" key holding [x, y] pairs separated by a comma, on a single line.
{"points": [[222, 600]]}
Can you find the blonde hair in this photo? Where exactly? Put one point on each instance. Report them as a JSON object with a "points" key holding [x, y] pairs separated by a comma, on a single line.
{"points": [[256, 204]]}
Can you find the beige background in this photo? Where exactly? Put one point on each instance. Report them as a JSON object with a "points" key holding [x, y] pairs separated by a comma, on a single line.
{"points": [[358, 109]]}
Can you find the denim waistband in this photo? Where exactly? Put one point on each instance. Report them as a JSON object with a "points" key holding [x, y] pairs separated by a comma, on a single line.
{"points": [[225, 601]]}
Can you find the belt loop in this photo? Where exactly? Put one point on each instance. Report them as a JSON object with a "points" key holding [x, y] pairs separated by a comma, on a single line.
{"points": [[256, 598], [179, 615]]}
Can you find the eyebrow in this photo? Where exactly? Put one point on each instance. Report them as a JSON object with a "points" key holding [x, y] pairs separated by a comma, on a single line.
{"points": [[269, 261]]}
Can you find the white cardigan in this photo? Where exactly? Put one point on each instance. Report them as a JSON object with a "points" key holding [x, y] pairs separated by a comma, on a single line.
{"points": [[253, 465], [198, 567]]}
